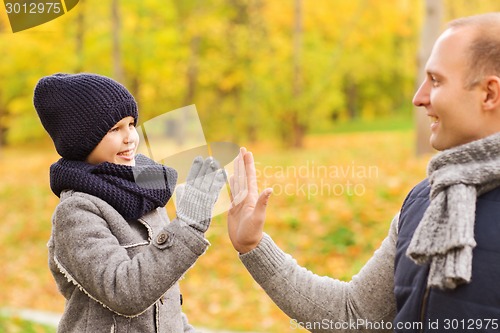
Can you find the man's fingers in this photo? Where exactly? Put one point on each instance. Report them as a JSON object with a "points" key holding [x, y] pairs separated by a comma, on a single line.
{"points": [[238, 179], [251, 176], [231, 187], [235, 187], [242, 195]]}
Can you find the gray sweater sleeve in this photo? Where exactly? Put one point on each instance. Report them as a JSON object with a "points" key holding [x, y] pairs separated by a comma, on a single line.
{"points": [[323, 304]]}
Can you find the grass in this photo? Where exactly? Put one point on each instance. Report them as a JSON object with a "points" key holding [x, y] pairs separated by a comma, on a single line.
{"points": [[18, 325], [331, 208]]}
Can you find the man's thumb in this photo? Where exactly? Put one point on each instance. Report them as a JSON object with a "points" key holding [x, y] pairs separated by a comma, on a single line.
{"points": [[260, 207]]}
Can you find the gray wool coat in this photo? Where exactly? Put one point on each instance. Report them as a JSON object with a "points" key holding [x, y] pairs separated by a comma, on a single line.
{"points": [[120, 276]]}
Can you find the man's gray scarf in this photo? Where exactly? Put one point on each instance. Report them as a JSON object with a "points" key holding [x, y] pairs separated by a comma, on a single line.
{"points": [[445, 236]]}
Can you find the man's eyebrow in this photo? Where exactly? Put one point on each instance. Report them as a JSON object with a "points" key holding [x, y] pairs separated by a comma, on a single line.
{"points": [[432, 72]]}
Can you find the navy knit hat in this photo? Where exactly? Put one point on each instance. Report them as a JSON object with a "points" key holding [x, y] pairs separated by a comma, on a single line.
{"points": [[77, 110]]}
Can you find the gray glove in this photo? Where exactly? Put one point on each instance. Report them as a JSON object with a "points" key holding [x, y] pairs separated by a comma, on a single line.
{"points": [[197, 198]]}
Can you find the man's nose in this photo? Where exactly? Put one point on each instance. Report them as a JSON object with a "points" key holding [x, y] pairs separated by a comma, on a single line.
{"points": [[422, 96]]}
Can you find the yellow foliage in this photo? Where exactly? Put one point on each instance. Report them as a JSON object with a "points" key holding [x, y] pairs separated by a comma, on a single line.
{"points": [[331, 233]]}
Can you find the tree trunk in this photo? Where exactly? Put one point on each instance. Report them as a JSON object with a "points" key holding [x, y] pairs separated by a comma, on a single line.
{"points": [[298, 129], [79, 38], [430, 32], [3, 112], [3, 129], [351, 94], [192, 70], [257, 38], [117, 62]]}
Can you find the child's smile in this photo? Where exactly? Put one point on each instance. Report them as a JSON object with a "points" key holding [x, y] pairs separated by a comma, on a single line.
{"points": [[118, 146]]}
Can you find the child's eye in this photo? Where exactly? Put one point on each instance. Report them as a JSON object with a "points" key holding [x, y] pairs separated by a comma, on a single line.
{"points": [[114, 129], [132, 124]]}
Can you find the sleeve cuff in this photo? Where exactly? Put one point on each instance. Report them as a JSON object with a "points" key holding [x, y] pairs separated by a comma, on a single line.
{"points": [[192, 239], [265, 260]]}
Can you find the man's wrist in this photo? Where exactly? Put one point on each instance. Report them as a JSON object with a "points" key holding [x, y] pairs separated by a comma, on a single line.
{"points": [[242, 249]]}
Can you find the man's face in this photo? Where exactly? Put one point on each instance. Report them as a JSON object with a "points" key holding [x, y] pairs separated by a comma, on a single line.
{"points": [[118, 146], [455, 112]]}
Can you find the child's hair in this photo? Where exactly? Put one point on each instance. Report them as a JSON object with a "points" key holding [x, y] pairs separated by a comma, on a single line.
{"points": [[77, 110]]}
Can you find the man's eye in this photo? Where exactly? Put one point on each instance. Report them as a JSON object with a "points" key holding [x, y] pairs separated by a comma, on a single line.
{"points": [[434, 81]]}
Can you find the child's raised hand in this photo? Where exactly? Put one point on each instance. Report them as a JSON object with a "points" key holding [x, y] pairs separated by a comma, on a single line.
{"points": [[198, 197]]}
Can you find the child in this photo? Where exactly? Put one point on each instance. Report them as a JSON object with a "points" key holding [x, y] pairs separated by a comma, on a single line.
{"points": [[113, 253]]}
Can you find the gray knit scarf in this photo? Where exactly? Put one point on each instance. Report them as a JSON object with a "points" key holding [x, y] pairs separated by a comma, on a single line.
{"points": [[445, 236]]}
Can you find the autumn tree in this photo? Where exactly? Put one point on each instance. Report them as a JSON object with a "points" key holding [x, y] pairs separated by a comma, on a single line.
{"points": [[430, 31], [255, 69]]}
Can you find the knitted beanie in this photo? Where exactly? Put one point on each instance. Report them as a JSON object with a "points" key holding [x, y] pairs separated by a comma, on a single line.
{"points": [[77, 110]]}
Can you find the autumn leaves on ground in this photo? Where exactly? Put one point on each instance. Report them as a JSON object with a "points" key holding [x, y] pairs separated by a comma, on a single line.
{"points": [[332, 204]]}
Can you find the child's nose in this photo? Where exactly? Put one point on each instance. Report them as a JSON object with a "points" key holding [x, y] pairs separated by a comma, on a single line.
{"points": [[129, 137]]}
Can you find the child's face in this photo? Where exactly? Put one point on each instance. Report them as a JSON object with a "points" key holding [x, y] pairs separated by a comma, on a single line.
{"points": [[118, 146]]}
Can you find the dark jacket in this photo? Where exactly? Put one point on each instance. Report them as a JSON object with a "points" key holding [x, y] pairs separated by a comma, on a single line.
{"points": [[473, 307]]}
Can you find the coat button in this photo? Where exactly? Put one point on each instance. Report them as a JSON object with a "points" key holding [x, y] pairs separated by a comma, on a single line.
{"points": [[162, 238]]}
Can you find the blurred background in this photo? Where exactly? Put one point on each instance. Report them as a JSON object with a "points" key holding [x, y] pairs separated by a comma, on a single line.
{"points": [[319, 90]]}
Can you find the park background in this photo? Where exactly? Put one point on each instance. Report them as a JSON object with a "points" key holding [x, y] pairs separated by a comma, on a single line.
{"points": [[319, 90]]}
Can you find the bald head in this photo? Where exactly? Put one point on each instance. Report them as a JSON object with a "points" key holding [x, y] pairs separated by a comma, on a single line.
{"points": [[483, 53]]}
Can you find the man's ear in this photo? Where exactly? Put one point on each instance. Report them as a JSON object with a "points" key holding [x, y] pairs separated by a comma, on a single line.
{"points": [[491, 100]]}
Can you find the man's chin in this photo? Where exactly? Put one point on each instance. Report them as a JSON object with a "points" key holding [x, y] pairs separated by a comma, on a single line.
{"points": [[436, 144]]}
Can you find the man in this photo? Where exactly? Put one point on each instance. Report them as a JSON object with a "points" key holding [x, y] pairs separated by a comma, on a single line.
{"points": [[438, 268]]}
